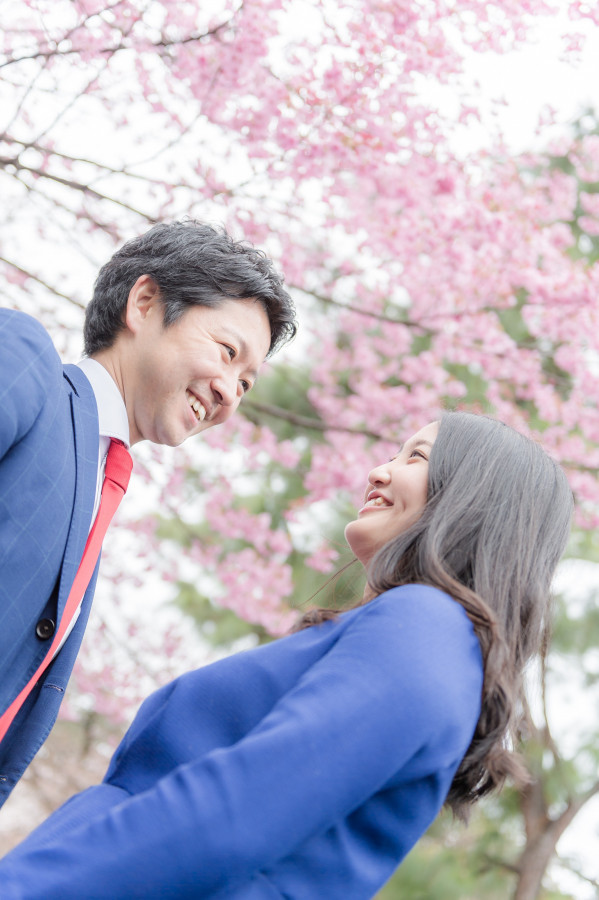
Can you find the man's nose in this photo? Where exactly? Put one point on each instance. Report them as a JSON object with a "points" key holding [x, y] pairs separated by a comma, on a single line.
{"points": [[225, 389]]}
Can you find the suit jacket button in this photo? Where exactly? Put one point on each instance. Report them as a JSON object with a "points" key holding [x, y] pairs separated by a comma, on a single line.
{"points": [[45, 628]]}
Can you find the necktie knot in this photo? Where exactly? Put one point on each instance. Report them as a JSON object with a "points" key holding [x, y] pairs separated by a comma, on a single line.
{"points": [[118, 464]]}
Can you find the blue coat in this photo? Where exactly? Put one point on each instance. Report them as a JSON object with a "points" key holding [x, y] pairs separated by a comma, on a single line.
{"points": [[303, 769], [48, 470]]}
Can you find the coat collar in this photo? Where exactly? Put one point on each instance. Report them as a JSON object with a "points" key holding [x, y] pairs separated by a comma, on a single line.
{"points": [[86, 440]]}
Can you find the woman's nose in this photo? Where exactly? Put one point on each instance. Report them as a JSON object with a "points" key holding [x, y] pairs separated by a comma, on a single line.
{"points": [[379, 475]]}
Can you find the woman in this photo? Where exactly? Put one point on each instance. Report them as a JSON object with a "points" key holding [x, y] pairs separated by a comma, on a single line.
{"points": [[307, 768]]}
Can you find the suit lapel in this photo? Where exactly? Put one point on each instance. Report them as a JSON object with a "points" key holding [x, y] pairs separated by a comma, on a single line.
{"points": [[84, 416]]}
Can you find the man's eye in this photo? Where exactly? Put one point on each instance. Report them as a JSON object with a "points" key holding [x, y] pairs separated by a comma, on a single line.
{"points": [[230, 351]]}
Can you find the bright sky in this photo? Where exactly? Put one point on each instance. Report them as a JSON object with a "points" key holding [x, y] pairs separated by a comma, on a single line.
{"points": [[535, 78]]}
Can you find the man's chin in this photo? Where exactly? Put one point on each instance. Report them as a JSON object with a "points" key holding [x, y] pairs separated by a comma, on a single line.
{"points": [[199, 429], [172, 437], [206, 424]]}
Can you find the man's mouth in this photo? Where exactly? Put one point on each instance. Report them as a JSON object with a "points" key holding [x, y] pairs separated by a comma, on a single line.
{"points": [[198, 408]]}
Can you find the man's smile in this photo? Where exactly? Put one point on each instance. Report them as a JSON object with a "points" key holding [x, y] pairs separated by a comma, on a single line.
{"points": [[198, 408]]}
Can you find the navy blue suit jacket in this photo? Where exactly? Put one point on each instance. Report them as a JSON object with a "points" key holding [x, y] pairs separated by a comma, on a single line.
{"points": [[48, 470], [303, 769]]}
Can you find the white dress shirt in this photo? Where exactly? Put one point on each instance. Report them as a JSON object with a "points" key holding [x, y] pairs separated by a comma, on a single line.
{"points": [[112, 417]]}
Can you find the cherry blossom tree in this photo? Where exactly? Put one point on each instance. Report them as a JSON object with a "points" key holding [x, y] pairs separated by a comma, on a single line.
{"points": [[423, 278]]}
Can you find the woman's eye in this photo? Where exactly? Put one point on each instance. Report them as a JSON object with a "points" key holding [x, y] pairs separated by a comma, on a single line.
{"points": [[230, 351], [246, 386], [418, 453]]}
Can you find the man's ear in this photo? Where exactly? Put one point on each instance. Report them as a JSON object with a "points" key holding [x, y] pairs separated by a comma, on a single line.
{"points": [[143, 300]]}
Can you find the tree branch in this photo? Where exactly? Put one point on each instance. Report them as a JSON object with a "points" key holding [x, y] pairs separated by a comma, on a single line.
{"points": [[313, 424], [150, 45], [43, 283], [569, 864], [362, 312], [494, 862], [547, 735], [75, 185], [104, 170], [278, 412], [541, 843]]}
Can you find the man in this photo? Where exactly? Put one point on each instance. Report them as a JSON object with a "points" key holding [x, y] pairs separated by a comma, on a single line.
{"points": [[180, 321]]}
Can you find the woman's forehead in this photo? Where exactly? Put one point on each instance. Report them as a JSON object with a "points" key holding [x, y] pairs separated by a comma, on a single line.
{"points": [[426, 435]]}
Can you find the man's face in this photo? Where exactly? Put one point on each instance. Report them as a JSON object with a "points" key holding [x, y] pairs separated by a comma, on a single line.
{"points": [[181, 380]]}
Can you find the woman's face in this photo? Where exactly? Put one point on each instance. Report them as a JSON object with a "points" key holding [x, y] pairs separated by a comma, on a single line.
{"points": [[395, 496]]}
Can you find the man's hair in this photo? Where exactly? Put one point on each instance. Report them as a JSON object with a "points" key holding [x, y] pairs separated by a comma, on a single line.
{"points": [[192, 264]]}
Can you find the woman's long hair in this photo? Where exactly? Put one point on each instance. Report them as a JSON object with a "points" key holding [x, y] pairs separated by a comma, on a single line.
{"points": [[495, 524]]}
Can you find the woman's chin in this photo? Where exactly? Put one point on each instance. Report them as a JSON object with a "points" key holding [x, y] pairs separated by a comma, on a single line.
{"points": [[355, 539]]}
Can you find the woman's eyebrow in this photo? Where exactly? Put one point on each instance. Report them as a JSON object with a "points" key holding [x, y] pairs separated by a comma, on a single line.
{"points": [[413, 444]]}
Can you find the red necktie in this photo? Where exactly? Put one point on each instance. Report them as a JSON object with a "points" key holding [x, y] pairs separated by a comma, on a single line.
{"points": [[116, 479]]}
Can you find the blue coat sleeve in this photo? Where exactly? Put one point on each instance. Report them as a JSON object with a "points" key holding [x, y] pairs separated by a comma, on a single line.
{"points": [[388, 689], [28, 364]]}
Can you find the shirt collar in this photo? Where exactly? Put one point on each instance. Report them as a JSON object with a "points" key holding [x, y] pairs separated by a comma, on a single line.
{"points": [[112, 412]]}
